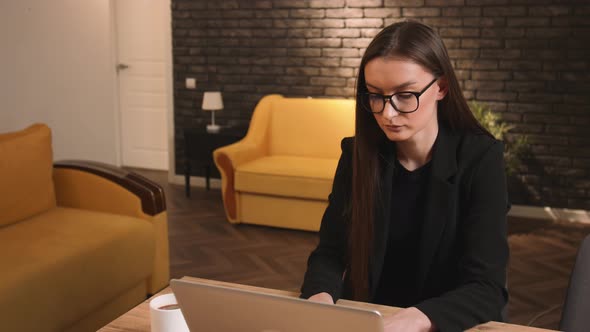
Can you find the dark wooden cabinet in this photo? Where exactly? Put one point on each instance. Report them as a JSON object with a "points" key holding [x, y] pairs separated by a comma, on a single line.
{"points": [[199, 146]]}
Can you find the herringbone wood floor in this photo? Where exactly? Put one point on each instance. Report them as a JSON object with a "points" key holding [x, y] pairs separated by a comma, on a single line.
{"points": [[203, 244]]}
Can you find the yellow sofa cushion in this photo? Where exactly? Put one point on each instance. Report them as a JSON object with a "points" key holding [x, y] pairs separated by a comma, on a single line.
{"points": [[66, 263], [291, 176], [310, 127], [26, 166]]}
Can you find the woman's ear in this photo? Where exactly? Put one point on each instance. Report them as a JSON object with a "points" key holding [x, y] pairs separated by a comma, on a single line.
{"points": [[443, 88]]}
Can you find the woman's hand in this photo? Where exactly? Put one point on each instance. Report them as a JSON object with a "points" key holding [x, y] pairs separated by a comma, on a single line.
{"points": [[410, 319], [322, 298]]}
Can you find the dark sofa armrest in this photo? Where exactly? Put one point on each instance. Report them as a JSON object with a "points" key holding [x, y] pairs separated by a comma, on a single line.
{"points": [[70, 173]]}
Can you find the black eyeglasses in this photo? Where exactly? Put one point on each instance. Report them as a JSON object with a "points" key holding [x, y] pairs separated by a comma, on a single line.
{"points": [[403, 101]]}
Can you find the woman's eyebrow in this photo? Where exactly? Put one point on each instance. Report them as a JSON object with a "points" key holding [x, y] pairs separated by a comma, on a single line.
{"points": [[396, 88]]}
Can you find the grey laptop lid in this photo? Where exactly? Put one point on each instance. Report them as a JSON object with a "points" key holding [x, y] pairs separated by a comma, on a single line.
{"points": [[218, 308]]}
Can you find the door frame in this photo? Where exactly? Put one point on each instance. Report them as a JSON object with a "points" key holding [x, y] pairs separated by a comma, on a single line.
{"points": [[169, 87]]}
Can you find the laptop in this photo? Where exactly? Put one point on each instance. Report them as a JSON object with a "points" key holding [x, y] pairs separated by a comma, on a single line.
{"points": [[209, 307]]}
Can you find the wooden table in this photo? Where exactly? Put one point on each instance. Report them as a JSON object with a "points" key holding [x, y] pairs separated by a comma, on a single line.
{"points": [[138, 318]]}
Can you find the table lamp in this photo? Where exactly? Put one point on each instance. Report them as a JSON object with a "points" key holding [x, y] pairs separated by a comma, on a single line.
{"points": [[212, 102]]}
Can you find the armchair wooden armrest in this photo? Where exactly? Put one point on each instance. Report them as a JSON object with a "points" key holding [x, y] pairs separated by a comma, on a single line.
{"points": [[105, 188], [254, 145], [227, 159]]}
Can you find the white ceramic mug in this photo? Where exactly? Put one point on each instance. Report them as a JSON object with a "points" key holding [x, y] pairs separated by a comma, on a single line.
{"points": [[166, 319]]}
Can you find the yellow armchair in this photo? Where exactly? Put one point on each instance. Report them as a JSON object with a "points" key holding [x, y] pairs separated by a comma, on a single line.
{"points": [[280, 174], [80, 242]]}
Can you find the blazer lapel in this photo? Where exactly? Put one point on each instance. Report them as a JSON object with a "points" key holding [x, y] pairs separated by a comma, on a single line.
{"points": [[438, 200], [382, 214]]}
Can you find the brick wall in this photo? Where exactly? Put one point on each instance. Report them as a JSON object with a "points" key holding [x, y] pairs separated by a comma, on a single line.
{"points": [[528, 60]]}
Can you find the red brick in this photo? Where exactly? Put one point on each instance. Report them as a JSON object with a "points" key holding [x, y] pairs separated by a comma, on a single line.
{"points": [[351, 62], [504, 11], [305, 33], [364, 3], [545, 118], [339, 72], [569, 21], [491, 75], [356, 42], [547, 32], [525, 86], [404, 3], [382, 12], [322, 62], [328, 81], [527, 43], [549, 10], [260, 4], [477, 64], [540, 97], [369, 33], [462, 11], [463, 54], [324, 42], [327, 23], [485, 2], [346, 33], [481, 43], [484, 21], [503, 32], [444, 3], [326, 3], [285, 4], [534, 75], [459, 32], [420, 12], [307, 13], [344, 13], [304, 52], [484, 85], [390, 21], [528, 21], [275, 13], [287, 61], [442, 21], [364, 23], [340, 52], [340, 92], [500, 54], [452, 42], [495, 95]]}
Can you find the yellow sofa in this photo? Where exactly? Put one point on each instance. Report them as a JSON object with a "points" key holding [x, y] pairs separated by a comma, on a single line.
{"points": [[80, 243], [280, 174]]}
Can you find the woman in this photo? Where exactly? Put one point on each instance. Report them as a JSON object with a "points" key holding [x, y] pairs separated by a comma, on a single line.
{"points": [[417, 214]]}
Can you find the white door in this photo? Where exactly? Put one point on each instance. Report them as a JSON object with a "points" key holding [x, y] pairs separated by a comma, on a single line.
{"points": [[142, 43]]}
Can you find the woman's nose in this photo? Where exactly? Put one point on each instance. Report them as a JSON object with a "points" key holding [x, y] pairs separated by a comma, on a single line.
{"points": [[389, 112]]}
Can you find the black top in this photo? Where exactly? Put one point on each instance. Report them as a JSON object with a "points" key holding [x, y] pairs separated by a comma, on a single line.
{"points": [[463, 247], [397, 284]]}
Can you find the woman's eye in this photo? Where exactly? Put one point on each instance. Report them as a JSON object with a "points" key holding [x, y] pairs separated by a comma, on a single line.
{"points": [[404, 96], [374, 98]]}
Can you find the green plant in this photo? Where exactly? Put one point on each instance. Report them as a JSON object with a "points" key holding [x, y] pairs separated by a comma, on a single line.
{"points": [[515, 147]]}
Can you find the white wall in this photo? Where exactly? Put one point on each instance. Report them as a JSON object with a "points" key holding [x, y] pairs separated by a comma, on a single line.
{"points": [[56, 67]]}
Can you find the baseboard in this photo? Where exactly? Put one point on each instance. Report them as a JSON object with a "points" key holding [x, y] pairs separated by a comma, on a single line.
{"points": [[196, 181], [522, 211], [549, 213]]}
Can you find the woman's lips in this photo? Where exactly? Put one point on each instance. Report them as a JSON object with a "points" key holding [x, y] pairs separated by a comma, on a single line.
{"points": [[394, 128]]}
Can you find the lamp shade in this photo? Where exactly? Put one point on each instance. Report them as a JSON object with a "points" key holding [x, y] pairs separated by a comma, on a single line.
{"points": [[212, 101]]}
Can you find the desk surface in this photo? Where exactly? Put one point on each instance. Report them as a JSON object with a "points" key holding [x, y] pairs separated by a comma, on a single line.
{"points": [[138, 318]]}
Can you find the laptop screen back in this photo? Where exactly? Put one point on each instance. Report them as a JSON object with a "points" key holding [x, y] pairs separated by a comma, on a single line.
{"points": [[218, 308]]}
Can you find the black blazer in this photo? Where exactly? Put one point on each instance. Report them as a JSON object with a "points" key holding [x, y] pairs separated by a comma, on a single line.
{"points": [[463, 249]]}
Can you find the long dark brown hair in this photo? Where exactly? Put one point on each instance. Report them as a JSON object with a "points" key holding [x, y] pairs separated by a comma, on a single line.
{"points": [[418, 43]]}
